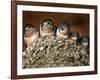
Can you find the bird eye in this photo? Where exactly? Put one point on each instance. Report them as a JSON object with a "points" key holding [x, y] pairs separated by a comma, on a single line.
{"points": [[42, 25], [30, 26], [49, 23], [62, 28]]}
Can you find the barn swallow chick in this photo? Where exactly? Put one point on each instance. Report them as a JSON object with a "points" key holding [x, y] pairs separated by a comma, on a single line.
{"points": [[74, 37], [63, 31], [85, 41], [30, 34], [47, 28]]}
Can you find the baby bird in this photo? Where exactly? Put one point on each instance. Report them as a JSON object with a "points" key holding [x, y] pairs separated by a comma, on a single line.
{"points": [[85, 41], [74, 37], [30, 34], [47, 28], [63, 31]]}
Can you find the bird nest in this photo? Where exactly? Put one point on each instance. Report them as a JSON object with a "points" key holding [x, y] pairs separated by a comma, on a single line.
{"points": [[55, 52]]}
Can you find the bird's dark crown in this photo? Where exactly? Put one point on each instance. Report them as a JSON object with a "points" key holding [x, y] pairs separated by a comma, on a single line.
{"points": [[48, 21], [75, 34], [63, 26], [85, 39]]}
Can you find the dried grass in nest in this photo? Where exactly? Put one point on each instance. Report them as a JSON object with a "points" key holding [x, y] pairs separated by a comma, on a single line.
{"points": [[55, 52]]}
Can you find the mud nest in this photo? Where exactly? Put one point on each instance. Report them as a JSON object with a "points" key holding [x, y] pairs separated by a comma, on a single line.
{"points": [[55, 52]]}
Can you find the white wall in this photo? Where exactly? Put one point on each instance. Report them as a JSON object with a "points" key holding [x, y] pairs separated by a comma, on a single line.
{"points": [[5, 35]]}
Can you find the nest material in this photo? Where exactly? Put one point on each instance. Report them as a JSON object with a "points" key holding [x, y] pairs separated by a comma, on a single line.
{"points": [[55, 52]]}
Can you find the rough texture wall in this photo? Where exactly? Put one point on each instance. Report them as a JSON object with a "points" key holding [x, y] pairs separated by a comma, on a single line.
{"points": [[77, 22]]}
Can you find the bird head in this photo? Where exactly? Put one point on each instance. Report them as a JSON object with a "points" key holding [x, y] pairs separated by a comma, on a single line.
{"points": [[74, 36], [64, 29], [85, 41], [29, 30], [47, 25]]}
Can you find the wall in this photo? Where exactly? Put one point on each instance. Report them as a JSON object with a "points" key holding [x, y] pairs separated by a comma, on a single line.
{"points": [[77, 22], [5, 43]]}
